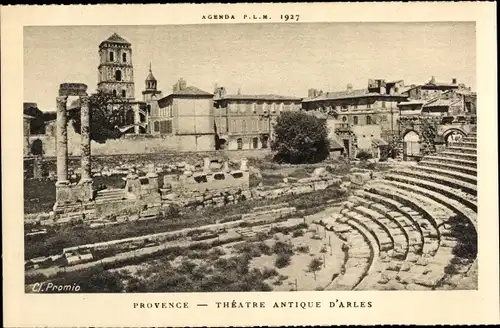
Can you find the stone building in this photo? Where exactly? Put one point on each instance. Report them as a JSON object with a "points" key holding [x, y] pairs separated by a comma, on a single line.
{"points": [[188, 114], [363, 119], [246, 121], [26, 134], [116, 72]]}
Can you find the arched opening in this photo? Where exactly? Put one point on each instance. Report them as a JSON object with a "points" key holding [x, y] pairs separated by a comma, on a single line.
{"points": [[114, 93], [118, 75], [453, 136], [124, 93], [255, 143], [129, 117], [124, 57], [368, 120], [37, 147], [221, 143], [411, 144], [111, 56], [355, 120], [239, 142], [265, 140]]}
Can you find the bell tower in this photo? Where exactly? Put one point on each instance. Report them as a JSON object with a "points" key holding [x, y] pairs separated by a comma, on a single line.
{"points": [[116, 72], [150, 92]]}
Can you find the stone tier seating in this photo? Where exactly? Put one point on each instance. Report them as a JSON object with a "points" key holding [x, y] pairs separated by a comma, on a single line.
{"points": [[401, 223]]}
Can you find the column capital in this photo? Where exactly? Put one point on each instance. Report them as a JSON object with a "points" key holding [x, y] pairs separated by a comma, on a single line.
{"points": [[62, 99], [84, 100]]}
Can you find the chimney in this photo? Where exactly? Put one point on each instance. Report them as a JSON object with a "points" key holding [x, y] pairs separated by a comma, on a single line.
{"points": [[182, 84], [433, 80], [175, 87], [239, 91], [454, 80], [311, 93], [349, 87]]}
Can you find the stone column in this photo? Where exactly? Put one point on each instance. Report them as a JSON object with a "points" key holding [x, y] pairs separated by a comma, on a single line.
{"points": [[62, 142], [137, 119], [226, 166], [85, 135]]}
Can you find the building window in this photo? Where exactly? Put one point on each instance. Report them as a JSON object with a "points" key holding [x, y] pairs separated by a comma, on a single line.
{"points": [[243, 126], [255, 143], [355, 120], [166, 127], [282, 106], [344, 119], [124, 93], [273, 107], [124, 57], [344, 106], [118, 75], [239, 141], [254, 108], [157, 126], [264, 141], [264, 107], [368, 106], [233, 126], [114, 93], [368, 120], [355, 106], [111, 56]]}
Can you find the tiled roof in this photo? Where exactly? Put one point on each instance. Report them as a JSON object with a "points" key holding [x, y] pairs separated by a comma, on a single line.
{"points": [[115, 38], [190, 91], [260, 97], [411, 102], [441, 103], [355, 93]]}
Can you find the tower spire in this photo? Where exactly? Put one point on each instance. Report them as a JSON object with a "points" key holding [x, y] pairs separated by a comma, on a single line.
{"points": [[150, 67]]}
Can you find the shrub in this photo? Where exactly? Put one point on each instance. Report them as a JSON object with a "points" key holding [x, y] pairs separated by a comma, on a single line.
{"points": [[303, 249], [282, 261], [297, 233]]}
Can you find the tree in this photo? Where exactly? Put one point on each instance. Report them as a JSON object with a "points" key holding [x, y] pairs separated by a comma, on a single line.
{"points": [[107, 113], [300, 138], [364, 155], [314, 266]]}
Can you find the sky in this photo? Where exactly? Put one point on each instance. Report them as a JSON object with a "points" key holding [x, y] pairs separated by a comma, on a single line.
{"points": [[283, 59]]}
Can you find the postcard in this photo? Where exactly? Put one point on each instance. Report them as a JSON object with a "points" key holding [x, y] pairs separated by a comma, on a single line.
{"points": [[250, 164]]}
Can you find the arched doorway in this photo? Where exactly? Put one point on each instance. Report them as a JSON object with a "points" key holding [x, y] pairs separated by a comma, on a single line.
{"points": [[411, 142], [255, 143], [37, 147], [264, 140], [453, 136], [129, 117]]}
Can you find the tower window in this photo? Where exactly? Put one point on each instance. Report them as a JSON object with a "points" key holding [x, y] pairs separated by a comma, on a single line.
{"points": [[118, 75], [124, 57], [114, 93], [368, 120], [124, 93], [111, 56], [355, 120]]}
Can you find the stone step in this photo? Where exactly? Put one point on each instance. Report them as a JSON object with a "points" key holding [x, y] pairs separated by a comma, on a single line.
{"points": [[458, 155], [440, 179], [464, 144], [439, 197], [469, 139], [472, 179], [395, 232], [405, 220], [449, 166], [381, 236], [452, 193], [449, 160], [463, 150]]}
